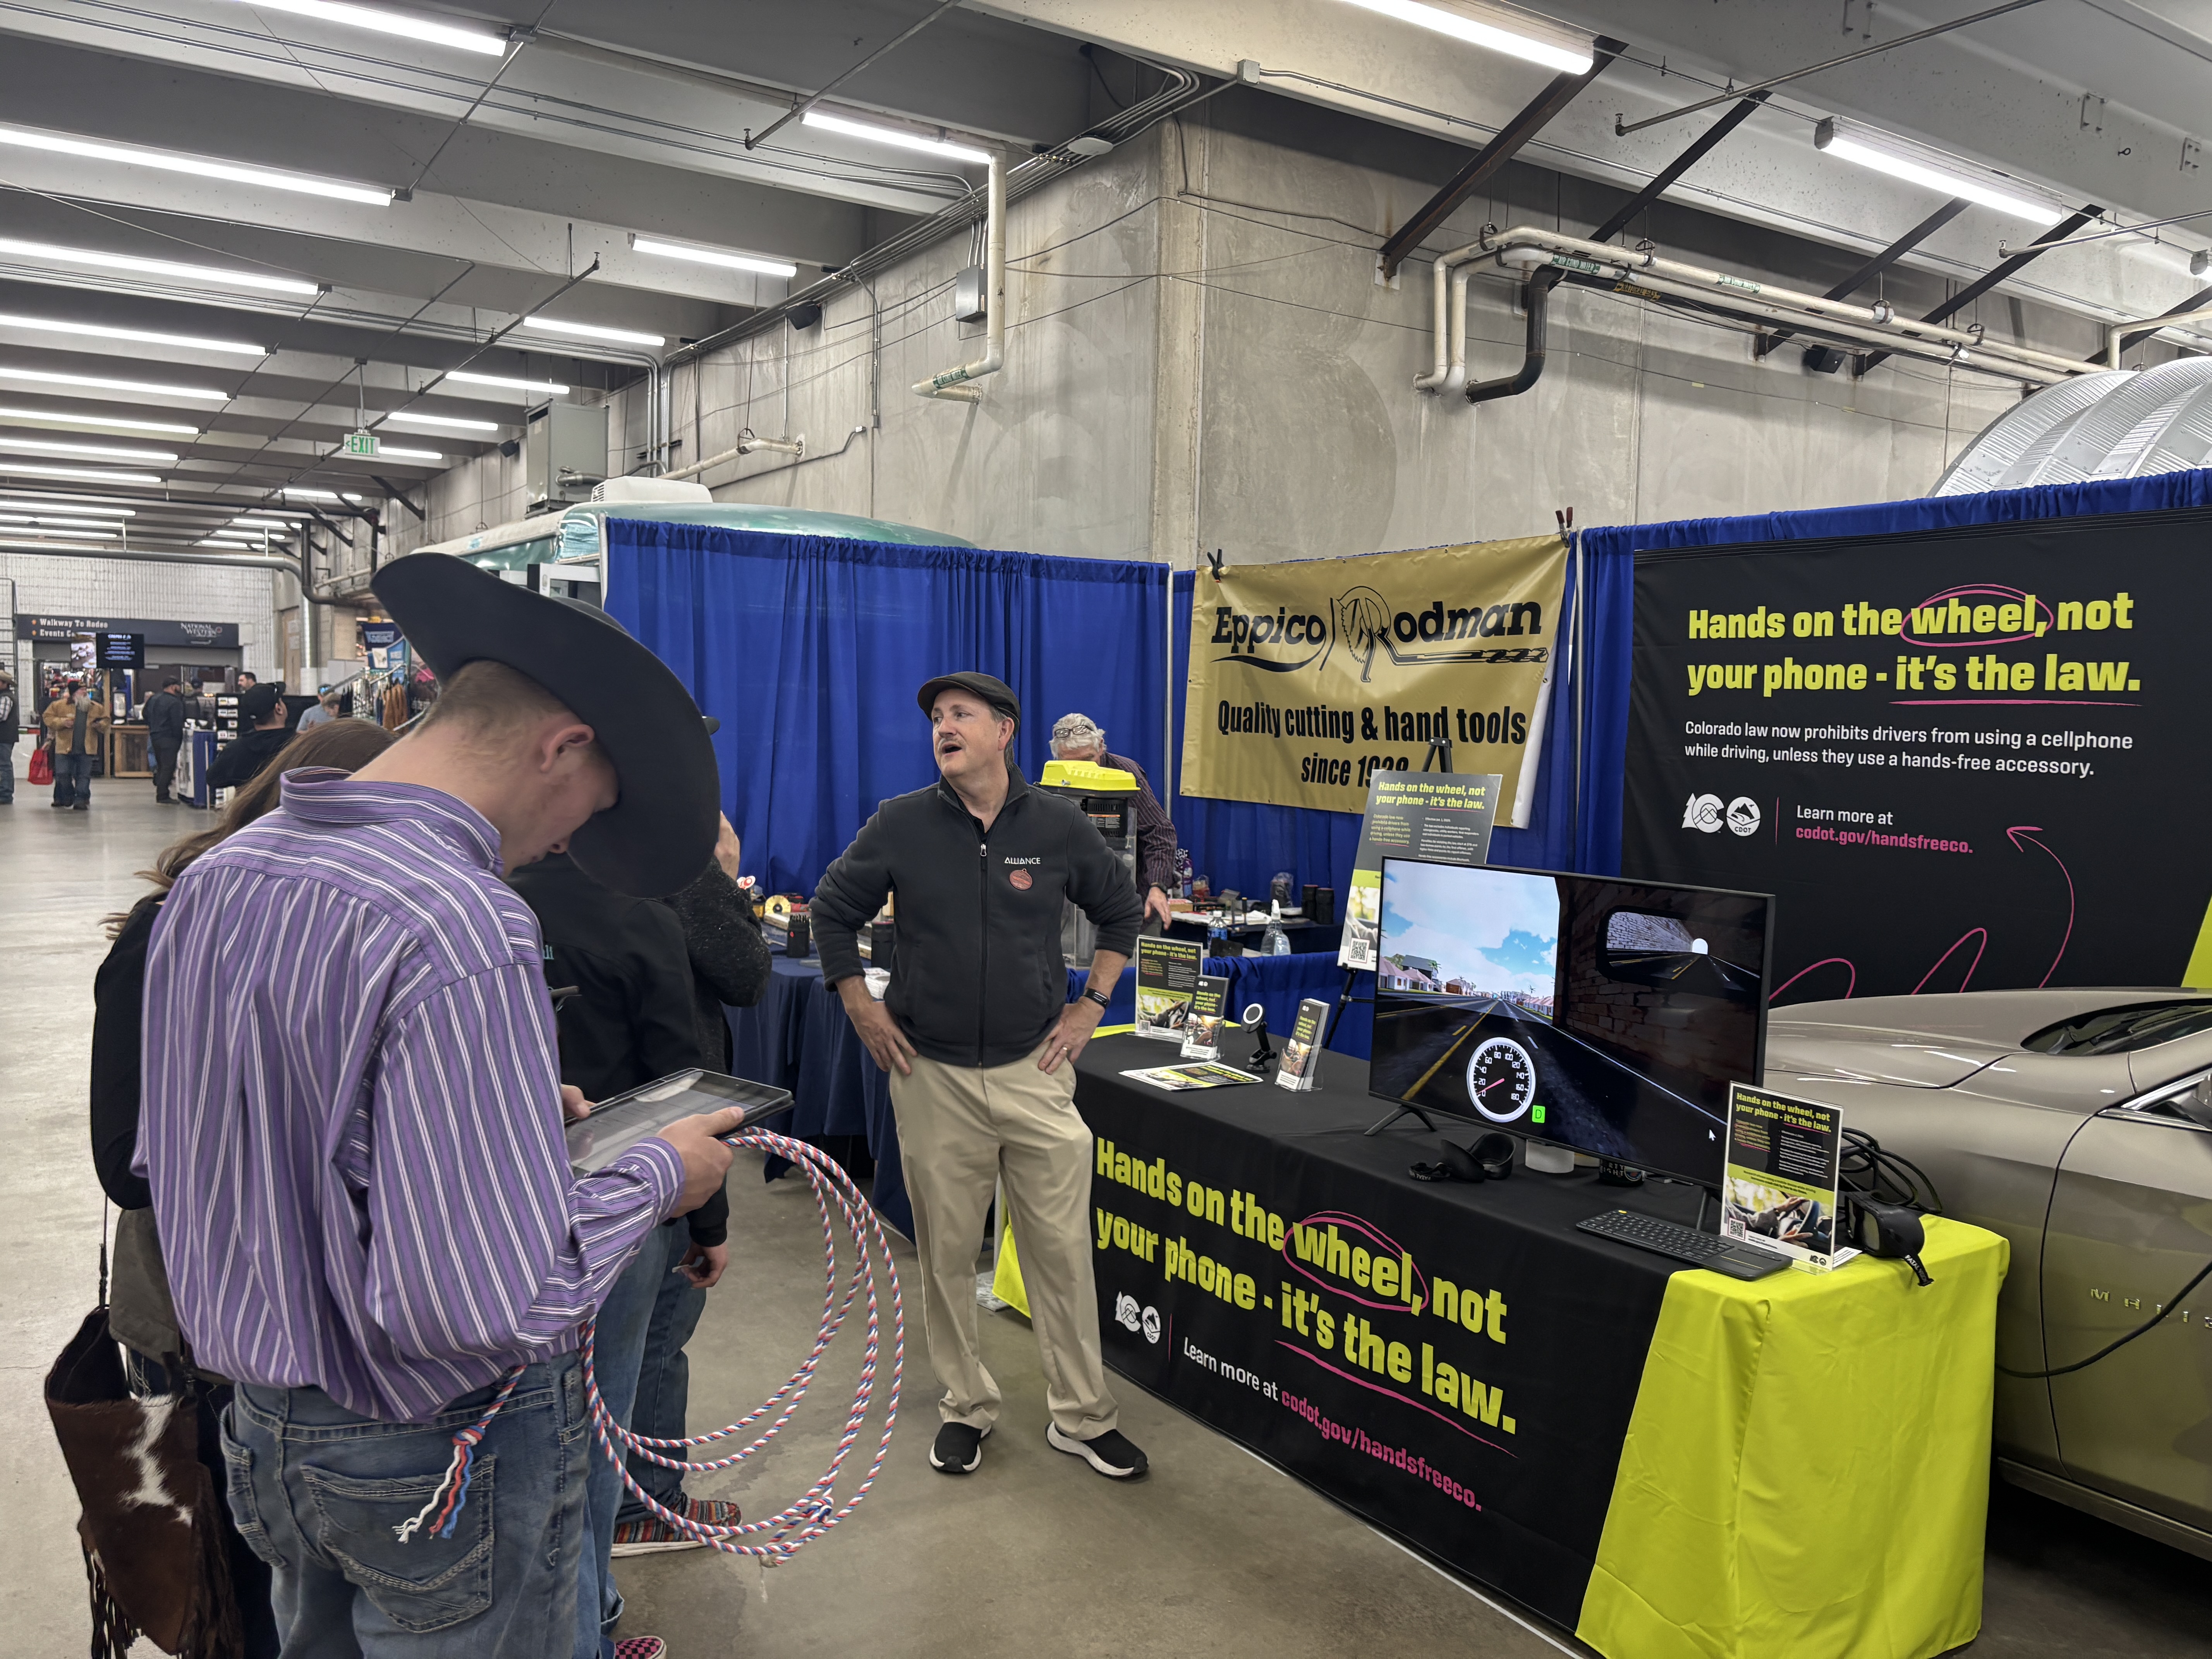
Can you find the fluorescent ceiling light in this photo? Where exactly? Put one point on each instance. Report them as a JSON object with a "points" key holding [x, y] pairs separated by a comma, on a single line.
{"points": [[307, 494], [70, 496], [63, 521], [390, 22], [91, 474], [86, 256], [72, 418], [592, 332], [758, 264], [453, 422], [1919, 164], [1500, 28], [398, 455], [203, 167], [249, 522], [98, 452], [551, 388], [102, 383], [226, 541], [897, 138], [34, 541], [83, 532], [141, 336]]}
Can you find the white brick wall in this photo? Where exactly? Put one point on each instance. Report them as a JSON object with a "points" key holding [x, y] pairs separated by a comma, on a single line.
{"points": [[169, 592]]}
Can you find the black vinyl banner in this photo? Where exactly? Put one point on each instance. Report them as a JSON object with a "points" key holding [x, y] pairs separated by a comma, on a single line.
{"points": [[1969, 759], [1455, 1362]]}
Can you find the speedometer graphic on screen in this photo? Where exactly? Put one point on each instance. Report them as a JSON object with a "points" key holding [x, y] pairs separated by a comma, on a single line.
{"points": [[1501, 1080]]}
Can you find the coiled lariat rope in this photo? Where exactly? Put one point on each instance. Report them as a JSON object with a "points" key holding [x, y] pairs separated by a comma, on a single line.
{"points": [[815, 1510]]}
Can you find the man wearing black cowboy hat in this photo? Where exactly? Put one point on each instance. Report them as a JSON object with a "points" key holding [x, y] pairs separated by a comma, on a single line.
{"points": [[353, 1131], [981, 1041]]}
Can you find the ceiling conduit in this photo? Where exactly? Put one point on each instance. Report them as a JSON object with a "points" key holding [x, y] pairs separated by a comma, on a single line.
{"points": [[1549, 258], [951, 383]]}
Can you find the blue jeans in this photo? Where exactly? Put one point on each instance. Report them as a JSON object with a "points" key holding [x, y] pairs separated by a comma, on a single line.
{"points": [[664, 1382], [317, 1491], [629, 1319], [6, 770], [73, 780]]}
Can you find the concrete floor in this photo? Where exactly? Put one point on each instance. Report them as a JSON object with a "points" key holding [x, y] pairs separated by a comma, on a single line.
{"points": [[1216, 1554]]}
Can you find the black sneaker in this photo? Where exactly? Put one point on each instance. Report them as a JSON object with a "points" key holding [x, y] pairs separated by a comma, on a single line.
{"points": [[1110, 1453], [958, 1449]]}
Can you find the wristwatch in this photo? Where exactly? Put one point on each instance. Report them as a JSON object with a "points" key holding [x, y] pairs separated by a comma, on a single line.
{"points": [[1095, 995]]}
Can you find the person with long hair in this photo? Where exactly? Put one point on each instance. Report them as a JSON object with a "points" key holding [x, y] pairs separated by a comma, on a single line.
{"points": [[140, 1315]]}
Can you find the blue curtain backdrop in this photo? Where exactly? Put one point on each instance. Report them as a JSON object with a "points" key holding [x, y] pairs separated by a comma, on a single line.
{"points": [[810, 649], [1610, 555]]}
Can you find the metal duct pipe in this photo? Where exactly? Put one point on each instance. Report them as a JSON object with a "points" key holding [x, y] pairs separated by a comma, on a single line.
{"points": [[745, 446], [1526, 247], [137, 556], [1964, 357], [2112, 334], [1718, 288], [1449, 375], [1537, 295], [951, 383]]}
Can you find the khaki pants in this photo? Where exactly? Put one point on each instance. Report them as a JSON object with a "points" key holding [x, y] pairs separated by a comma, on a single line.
{"points": [[962, 1130]]}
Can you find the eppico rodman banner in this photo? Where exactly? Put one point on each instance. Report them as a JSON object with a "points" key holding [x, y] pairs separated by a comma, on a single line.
{"points": [[1968, 759], [1307, 678]]}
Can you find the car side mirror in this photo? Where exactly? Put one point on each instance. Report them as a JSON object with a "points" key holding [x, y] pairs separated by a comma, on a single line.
{"points": [[2191, 1099], [2195, 1101]]}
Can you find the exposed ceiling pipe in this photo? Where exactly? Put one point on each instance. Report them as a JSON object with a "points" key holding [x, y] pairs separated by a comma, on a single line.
{"points": [[951, 383], [1181, 90], [1449, 375], [2112, 347], [1536, 296], [1525, 247], [746, 444], [146, 556]]}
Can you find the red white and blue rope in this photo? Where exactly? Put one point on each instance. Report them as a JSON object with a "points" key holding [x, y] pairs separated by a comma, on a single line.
{"points": [[814, 1512], [444, 1509]]}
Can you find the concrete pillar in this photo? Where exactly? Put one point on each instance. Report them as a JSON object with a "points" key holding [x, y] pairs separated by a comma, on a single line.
{"points": [[1179, 341], [1178, 386]]}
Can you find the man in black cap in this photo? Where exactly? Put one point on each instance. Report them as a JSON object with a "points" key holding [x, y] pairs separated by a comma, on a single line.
{"points": [[241, 760], [165, 735], [981, 1041]]}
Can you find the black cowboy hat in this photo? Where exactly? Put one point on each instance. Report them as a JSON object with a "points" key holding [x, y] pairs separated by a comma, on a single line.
{"points": [[658, 835]]}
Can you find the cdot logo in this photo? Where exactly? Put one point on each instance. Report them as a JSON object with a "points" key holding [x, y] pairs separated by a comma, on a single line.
{"points": [[1743, 816], [1145, 1323], [1702, 812]]}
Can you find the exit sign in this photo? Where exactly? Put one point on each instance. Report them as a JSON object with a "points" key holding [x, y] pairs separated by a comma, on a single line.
{"points": [[361, 443]]}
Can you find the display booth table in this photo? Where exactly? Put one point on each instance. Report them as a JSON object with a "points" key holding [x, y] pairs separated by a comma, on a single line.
{"points": [[1667, 1463]]}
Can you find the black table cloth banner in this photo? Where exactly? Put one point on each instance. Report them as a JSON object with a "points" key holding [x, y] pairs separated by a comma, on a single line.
{"points": [[1454, 1362]]}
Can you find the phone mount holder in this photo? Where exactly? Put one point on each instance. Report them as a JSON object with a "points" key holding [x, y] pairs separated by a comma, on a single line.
{"points": [[1255, 1021]]}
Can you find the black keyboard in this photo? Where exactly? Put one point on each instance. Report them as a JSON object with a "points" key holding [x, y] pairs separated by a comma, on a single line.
{"points": [[1724, 1255]]}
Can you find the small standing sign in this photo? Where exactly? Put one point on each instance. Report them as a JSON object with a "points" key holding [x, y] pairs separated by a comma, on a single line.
{"points": [[1780, 1189]]}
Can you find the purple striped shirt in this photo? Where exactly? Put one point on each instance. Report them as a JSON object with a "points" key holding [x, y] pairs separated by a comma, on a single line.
{"points": [[351, 1115]]}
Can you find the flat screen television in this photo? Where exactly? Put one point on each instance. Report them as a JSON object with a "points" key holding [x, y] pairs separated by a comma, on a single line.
{"points": [[1606, 1015]]}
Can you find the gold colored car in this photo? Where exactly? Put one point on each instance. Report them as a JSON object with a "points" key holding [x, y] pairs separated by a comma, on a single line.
{"points": [[2078, 1123]]}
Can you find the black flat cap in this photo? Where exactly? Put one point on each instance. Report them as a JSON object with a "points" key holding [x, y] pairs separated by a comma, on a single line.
{"points": [[993, 691]]}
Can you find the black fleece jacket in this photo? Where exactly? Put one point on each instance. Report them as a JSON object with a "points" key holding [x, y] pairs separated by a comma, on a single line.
{"points": [[631, 1020], [978, 978]]}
